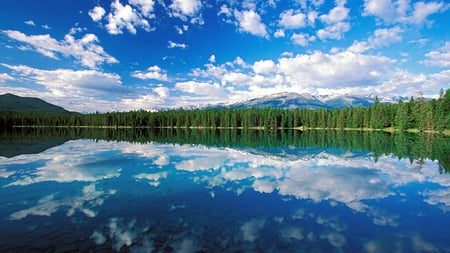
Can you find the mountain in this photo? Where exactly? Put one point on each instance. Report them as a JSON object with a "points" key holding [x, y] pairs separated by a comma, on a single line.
{"points": [[292, 100], [341, 101], [286, 100], [13, 103]]}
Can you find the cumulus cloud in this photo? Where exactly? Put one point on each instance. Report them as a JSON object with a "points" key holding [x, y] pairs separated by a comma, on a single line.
{"points": [[335, 21], [334, 70], [264, 66], [146, 7], [292, 20], [336, 15], [200, 88], [250, 21], [163, 92], [302, 39], [97, 13], [186, 8], [401, 11], [153, 72], [125, 17], [382, 37], [85, 50], [279, 33], [440, 57], [212, 58], [334, 31]]}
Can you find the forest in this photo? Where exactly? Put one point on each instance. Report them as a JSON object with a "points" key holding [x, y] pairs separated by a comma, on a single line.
{"points": [[418, 114]]}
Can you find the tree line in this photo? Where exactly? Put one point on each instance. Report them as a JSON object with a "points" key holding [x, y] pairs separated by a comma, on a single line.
{"points": [[420, 114]]}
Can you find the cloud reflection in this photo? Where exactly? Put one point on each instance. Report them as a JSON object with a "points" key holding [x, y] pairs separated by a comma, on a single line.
{"points": [[86, 202]]}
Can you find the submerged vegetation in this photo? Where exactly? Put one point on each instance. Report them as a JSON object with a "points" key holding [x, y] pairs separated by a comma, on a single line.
{"points": [[432, 115]]}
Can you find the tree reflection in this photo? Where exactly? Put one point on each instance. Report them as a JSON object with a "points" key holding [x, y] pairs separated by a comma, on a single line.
{"points": [[415, 147]]}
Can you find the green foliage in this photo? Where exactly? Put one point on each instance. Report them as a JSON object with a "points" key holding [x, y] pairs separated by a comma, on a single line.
{"points": [[433, 115]]}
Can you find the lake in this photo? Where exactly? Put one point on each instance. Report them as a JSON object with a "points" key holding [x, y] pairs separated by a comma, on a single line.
{"points": [[178, 190]]}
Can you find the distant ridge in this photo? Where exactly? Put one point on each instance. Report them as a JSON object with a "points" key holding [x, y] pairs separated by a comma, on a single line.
{"points": [[292, 100], [13, 103]]}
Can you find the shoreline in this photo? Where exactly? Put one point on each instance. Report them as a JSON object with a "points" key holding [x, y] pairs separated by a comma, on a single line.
{"points": [[301, 128]]}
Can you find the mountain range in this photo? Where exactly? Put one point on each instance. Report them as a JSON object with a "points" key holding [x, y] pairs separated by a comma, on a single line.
{"points": [[284, 100], [292, 100]]}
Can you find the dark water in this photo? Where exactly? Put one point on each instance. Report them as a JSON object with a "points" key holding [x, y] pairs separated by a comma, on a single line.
{"points": [[291, 192]]}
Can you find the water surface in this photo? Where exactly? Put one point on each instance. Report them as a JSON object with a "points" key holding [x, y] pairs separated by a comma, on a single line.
{"points": [[290, 192]]}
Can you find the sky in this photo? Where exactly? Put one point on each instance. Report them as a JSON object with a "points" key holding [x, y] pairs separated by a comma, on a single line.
{"points": [[121, 55]]}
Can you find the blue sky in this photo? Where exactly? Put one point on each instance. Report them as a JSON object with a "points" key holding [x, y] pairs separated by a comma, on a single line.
{"points": [[119, 55]]}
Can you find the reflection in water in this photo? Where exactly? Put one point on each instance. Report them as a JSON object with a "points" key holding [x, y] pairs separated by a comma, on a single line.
{"points": [[107, 196]]}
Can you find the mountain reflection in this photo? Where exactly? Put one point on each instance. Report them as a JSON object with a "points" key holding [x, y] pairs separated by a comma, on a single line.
{"points": [[289, 192]]}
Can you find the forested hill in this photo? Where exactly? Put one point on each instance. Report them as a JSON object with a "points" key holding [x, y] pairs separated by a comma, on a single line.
{"points": [[13, 103]]}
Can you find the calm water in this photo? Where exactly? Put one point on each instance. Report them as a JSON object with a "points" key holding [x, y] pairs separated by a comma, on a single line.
{"points": [[86, 195]]}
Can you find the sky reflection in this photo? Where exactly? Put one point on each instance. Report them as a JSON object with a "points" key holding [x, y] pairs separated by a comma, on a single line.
{"points": [[185, 198]]}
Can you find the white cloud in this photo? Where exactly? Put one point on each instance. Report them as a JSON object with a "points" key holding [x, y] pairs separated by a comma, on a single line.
{"points": [[125, 17], [401, 11], [264, 66], [341, 69], [172, 44], [200, 88], [225, 10], [86, 49], [334, 31], [383, 9], [146, 7], [183, 8], [279, 33], [212, 58], [423, 10], [440, 57], [5, 77], [291, 20], [250, 21], [381, 37], [236, 78], [30, 22], [153, 72], [302, 39], [71, 83], [146, 101], [312, 16], [335, 22], [387, 36], [163, 92], [97, 13], [336, 15]]}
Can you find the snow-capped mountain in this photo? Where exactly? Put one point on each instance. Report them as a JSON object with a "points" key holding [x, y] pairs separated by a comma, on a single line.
{"points": [[291, 100], [286, 100], [340, 101]]}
